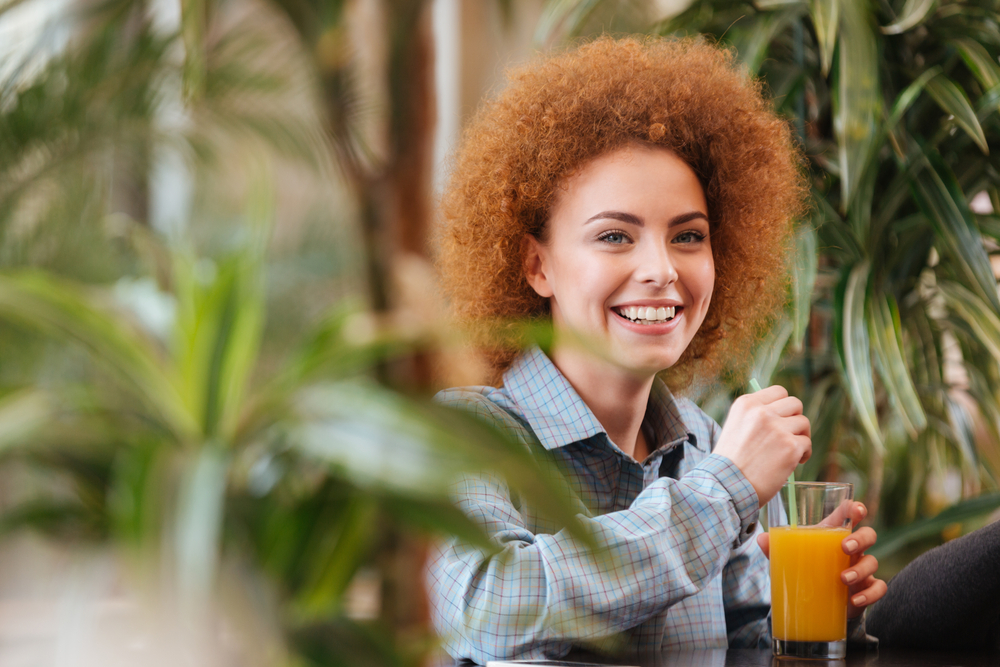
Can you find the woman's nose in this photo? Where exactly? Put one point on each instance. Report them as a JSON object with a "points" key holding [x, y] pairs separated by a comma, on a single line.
{"points": [[656, 266]]}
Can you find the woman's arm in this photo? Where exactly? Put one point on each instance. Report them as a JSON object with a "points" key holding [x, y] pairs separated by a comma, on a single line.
{"points": [[542, 592]]}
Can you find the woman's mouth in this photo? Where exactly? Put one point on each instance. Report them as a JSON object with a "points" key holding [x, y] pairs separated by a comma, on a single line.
{"points": [[648, 315]]}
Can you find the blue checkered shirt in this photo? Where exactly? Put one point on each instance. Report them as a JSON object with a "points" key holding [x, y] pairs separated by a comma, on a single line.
{"points": [[684, 572]]}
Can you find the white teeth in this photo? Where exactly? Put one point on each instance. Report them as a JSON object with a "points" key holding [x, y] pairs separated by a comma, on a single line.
{"points": [[648, 314]]}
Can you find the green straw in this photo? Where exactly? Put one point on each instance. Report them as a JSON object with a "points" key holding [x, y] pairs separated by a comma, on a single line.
{"points": [[793, 512]]}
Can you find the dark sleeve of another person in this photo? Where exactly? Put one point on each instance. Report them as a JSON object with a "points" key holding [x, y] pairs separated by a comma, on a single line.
{"points": [[948, 598]]}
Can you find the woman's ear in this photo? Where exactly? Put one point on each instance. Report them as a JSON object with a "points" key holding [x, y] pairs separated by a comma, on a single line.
{"points": [[535, 265]]}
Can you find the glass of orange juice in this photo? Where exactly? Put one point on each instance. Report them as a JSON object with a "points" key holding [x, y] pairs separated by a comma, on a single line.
{"points": [[807, 522]]}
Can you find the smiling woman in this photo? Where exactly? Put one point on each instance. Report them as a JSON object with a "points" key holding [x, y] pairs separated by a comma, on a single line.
{"points": [[641, 196]]}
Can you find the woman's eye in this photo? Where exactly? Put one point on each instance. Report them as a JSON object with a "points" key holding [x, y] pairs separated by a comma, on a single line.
{"points": [[614, 237], [689, 237]]}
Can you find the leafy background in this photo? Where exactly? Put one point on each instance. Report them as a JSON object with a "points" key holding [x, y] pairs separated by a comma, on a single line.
{"points": [[219, 335]]}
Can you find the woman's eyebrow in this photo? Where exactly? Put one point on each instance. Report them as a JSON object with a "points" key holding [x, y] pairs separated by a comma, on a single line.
{"points": [[620, 216], [632, 219]]}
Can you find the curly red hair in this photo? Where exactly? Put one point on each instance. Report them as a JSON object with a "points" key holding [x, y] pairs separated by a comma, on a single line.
{"points": [[561, 111]]}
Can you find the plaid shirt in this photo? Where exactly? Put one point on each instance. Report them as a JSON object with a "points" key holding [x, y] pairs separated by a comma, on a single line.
{"points": [[683, 571]]}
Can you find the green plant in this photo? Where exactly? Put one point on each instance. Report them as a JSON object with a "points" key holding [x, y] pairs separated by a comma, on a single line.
{"points": [[146, 376]]}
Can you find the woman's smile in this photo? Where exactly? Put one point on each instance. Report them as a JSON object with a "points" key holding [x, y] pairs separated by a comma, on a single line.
{"points": [[626, 261]]}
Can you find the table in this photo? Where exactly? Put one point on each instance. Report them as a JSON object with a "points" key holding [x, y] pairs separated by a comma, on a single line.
{"points": [[763, 658]]}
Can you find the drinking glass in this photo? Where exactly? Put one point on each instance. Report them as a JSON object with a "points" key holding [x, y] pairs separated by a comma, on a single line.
{"points": [[807, 521]]}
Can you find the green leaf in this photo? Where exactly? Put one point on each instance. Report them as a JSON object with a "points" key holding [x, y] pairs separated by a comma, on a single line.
{"points": [[335, 563], [826, 18], [198, 528], [63, 310], [752, 45], [769, 352], [803, 281], [907, 97], [566, 16], [914, 12], [983, 66], [953, 101], [376, 438], [893, 540], [939, 197], [981, 317], [437, 516], [856, 352], [22, 413], [887, 339], [857, 98]]}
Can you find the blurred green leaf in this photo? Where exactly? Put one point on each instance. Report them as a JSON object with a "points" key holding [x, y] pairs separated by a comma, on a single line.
{"points": [[979, 315], [891, 541], [377, 438], [803, 282], [937, 194], [437, 516], [856, 352], [61, 309], [953, 100], [887, 338], [826, 19], [22, 413], [199, 525], [335, 564], [856, 102], [913, 13], [983, 66]]}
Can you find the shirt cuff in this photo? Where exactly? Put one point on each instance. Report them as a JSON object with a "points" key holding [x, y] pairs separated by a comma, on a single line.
{"points": [[744, 496]]}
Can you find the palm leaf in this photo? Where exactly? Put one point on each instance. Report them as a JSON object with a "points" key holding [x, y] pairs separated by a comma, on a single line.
{"points": [[856, 102], [981, 317], [983, 66], [62, 310], [893, 540], [953, 101], [803, 281], [938, 196], [887, 342], [914, 12], [856, 351], [826, 19]]}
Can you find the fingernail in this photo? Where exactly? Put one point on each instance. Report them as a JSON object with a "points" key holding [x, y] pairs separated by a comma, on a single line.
{"points": [[864, 511], [850, 576], [859, 600], [851, 546]]}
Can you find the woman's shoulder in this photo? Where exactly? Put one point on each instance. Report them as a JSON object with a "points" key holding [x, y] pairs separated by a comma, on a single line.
{"points": [[491, 404]]}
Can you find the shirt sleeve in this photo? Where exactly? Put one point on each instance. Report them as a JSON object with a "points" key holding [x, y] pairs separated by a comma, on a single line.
{"points": [[746, 596], [538, 594]]}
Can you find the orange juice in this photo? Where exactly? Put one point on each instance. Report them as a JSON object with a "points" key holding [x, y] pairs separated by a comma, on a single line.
{"points": [[808, 599]]}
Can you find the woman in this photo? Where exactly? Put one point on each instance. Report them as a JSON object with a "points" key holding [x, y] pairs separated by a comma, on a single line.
{"points": [[640, 194]]}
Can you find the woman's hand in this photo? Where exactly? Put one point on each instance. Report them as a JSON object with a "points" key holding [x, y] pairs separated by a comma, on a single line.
{"points": [[863, 588], [766, 436]]}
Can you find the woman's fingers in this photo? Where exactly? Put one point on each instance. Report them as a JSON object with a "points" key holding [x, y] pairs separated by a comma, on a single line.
{"points": [[770, 394], [865, 567], [786, 407], [872, 590], [861, 539], [764, 542]]}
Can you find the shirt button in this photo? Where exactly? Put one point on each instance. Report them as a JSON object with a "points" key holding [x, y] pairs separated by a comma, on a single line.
{"points": [[752, 526]]}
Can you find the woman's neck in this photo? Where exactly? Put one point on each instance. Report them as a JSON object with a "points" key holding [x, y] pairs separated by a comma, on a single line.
{"points": [[616, 396]]}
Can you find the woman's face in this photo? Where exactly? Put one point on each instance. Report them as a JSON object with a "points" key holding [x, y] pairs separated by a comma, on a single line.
{"points": [[627, 264]]}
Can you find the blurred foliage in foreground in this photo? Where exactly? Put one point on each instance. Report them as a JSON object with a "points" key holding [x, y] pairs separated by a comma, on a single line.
{"points": [[189, 365]]}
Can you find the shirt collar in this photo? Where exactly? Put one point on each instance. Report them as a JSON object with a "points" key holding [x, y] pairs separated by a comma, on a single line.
{"points": [[558, 415]]}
